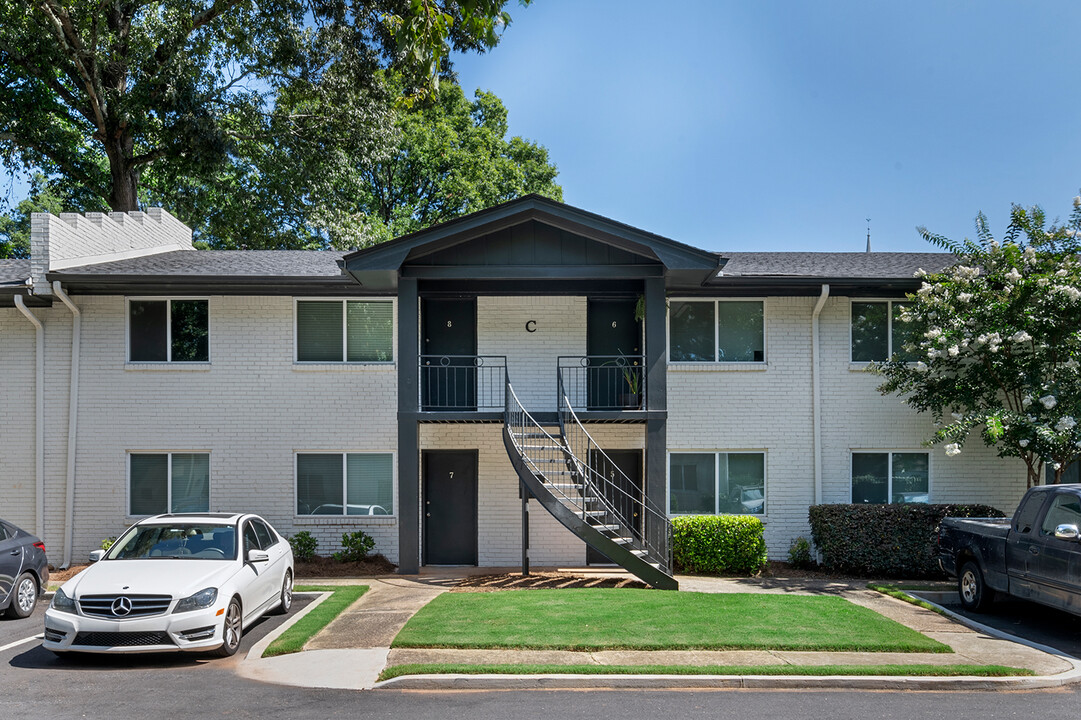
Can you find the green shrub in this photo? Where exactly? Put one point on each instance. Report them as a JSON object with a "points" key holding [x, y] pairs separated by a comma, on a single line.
{"points": [[799, 554], [355, 546], [304, 545], [107, 543], [718, 543], [897, 541]]}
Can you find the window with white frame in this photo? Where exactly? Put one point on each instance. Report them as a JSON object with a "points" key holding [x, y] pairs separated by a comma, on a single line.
{"points": [[716, 331], [168, 330], [344, 330], [345, 483], [878, 331], [714, 483], [891, 477], [168, 482]]}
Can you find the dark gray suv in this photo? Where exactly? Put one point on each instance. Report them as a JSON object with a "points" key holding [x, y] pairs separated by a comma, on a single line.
{"points": [[24, 570]]}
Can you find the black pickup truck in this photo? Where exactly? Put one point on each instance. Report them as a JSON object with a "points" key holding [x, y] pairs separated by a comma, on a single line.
{"points": [[1036, 555]]}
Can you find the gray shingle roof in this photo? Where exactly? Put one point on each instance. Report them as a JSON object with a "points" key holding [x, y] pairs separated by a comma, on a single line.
{"points": [[14, 272], [875, 265], [222, 263]]}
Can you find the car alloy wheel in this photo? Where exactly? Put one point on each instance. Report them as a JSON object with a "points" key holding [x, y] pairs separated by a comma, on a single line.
{"points": [[232, 629], [26, 596], [286, 599]]}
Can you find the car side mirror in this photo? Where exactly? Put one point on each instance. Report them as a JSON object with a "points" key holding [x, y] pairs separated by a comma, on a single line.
{"points": [[96, 555], [257, 556], [1067, 532]]}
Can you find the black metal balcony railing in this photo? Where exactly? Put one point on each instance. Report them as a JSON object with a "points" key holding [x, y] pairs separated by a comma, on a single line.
{"points": [[603, 382], [456, 383]]}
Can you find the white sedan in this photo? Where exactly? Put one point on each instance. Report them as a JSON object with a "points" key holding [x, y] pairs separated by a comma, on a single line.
{"points": [[189, 582]]}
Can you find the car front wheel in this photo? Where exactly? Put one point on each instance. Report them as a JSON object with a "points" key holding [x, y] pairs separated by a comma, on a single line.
{"points": [[232, 629], [25, 596], [975, 595]]}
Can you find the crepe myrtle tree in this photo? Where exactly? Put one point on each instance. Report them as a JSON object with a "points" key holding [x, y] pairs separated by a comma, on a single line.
{"points": [[994, 342]]}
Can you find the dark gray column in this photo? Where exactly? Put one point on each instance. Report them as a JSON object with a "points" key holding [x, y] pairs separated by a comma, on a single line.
{"points": [[408, 429], [656, 401]]}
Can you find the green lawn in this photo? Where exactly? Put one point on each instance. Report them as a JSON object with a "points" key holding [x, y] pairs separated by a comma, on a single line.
{"points": [[293, 639], [912, 670], [612, 619]]}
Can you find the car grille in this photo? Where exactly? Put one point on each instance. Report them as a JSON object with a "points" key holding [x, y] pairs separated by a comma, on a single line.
{"points": [[122, 639], [141, 605]]}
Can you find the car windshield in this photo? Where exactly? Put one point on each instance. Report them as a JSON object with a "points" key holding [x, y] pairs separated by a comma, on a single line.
{"points": [[189, 541]]}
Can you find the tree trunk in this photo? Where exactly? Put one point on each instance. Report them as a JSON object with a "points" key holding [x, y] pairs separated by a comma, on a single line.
{"points": [[124, 176]]}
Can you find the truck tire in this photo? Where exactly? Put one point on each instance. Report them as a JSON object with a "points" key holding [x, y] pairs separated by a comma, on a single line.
{"points": [[974, 593]]}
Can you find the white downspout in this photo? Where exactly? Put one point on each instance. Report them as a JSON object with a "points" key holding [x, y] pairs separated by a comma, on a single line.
{"points": [[816, 410], [73, 418], [39, 417]]}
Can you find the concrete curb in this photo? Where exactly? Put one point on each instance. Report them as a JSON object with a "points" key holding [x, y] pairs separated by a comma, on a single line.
{"points": [[256, 653], [758, 682]]}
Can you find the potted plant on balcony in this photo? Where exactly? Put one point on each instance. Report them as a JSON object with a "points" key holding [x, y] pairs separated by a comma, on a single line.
{"points": [[631, 398]]}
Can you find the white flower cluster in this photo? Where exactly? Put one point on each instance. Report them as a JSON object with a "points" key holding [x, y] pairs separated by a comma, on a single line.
{"points": [[1013, 276], [1048, 401], [1065, 424], [1069, 291], [1020, 336], [953, 449]]}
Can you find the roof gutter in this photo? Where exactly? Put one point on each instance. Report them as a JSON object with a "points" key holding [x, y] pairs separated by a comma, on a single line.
{"points": [[39, 417], [73, 419], [816, 392]]}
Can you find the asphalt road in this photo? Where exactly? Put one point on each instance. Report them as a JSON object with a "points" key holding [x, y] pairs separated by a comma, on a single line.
{"points": [[36, 684]]}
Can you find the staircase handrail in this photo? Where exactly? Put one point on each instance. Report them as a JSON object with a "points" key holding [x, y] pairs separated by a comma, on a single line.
{"points": [[660, 552]]}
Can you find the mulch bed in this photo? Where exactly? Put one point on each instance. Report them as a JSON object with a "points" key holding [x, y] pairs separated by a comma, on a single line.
{"points": [[319, 567]]}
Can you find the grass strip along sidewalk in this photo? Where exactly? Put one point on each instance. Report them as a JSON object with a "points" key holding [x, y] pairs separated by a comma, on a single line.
{"points": [[293, 639], [743, 670], [626, 619]]}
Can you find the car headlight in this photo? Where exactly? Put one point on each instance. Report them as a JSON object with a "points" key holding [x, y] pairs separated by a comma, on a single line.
{"points": [[198, 601], [62, 602]]}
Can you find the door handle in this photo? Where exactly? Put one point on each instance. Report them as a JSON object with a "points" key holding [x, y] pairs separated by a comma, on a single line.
{"points": [[16, 551], [1034, 549], [427, 514]]}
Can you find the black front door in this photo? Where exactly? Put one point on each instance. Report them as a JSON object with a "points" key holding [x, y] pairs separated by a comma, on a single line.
{"points": [[450, 507], [448, 372], [614, 344], [624, 494]]}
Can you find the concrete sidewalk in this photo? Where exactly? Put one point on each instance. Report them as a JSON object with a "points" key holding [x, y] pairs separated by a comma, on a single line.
{"points": [[352, 651]]}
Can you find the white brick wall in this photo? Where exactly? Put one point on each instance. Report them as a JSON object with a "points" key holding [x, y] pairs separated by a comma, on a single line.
{"points": [[770, 409], [531, 356], [252, 409], [73, 239]]}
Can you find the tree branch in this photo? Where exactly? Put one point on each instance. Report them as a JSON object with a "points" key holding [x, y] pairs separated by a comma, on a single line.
{"points": [[65, 32]]}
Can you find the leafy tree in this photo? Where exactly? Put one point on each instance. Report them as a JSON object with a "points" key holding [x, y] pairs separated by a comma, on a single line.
{"points": [[451, 157], [998, 337], [98, 92]]}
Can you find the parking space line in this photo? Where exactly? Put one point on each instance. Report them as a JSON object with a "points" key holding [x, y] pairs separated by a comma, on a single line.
{"points": [[17, 643]]}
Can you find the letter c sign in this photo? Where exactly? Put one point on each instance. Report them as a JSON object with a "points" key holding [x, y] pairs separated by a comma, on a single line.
{"points": [[531, 326]]}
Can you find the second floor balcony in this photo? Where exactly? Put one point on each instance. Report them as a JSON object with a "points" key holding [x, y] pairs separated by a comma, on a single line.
{"points": [[474, 386]]}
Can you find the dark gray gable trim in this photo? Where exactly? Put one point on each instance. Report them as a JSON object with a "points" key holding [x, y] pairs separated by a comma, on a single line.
{"points": [[392, 255]]}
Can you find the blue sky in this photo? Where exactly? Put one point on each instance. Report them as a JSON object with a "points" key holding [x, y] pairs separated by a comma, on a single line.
{"points": [[784, 125]]}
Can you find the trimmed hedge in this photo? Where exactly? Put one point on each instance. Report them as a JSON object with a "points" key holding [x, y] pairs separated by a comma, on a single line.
{"points": [[718, 543], [896, 541]]}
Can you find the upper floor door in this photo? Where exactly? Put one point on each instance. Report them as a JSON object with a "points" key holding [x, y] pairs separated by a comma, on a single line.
{"points": [[614, 346], [448, 372]]}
